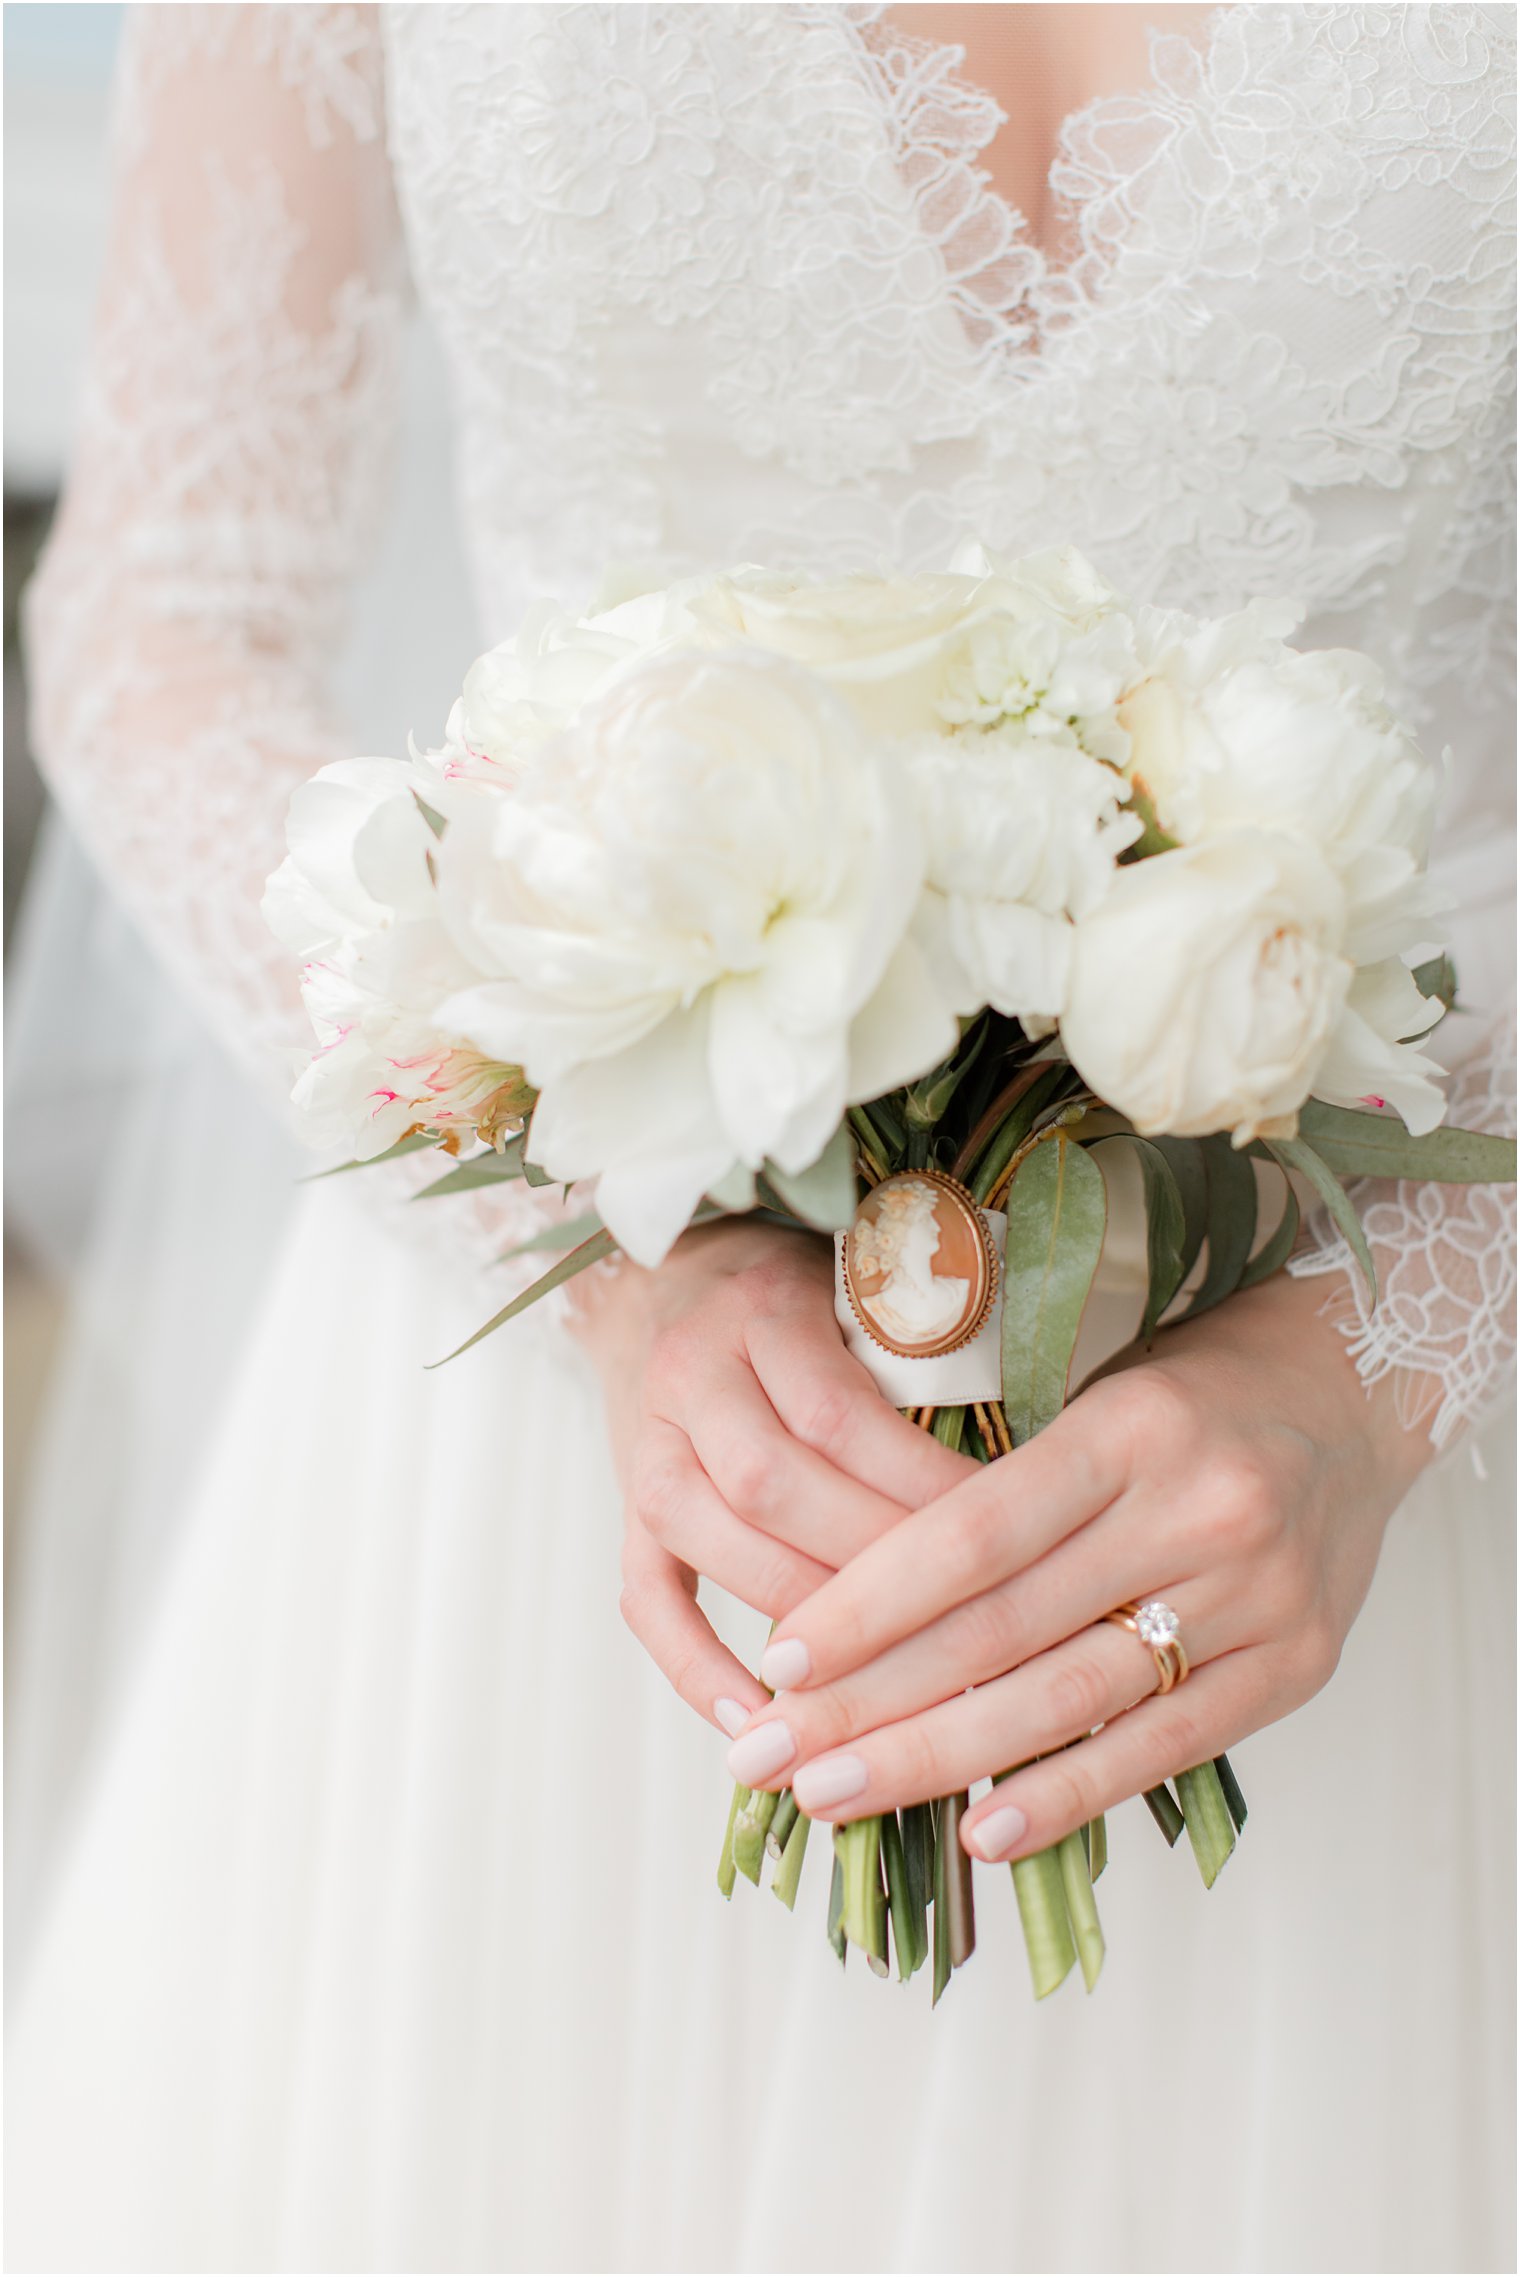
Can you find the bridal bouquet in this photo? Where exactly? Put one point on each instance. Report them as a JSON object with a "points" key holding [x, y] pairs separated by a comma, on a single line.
{"points": [[898, 907]]}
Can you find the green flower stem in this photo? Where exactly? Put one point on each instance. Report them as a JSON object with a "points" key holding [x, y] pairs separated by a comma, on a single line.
{"points": [[858, 1848], [1097, 1846], [836, 1933], [1165, 1812], [1235, 1801], [905, 1931], [918, 1849], [957, 1877], [787, 1815], [1211, 1830], [1081, 1907], [750, 1829], [1040, 1888], [943, 1964], [726, 1856], [789, 1872], [949, 1428]]}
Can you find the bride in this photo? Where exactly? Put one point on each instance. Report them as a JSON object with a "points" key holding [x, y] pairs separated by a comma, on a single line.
{"points": [[386, 1936]]}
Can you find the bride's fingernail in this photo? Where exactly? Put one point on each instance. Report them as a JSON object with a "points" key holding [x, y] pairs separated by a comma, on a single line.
{"points": [[832, 1779], [731, 1716], [761, 1752], [785, 1663], [995, 1835]]}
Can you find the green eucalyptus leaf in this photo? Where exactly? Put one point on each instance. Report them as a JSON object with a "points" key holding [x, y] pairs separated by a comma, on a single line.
{"points": [[824, 1196], [589, 1253], [1438, 978], [1184, 1158], [567, 1235], [1358, 1145], [1274, 1254], [430, 815], [1231, 1223], [1295, 1154], [1165, 1228], [1057, 1211], [488, 1169], [412, 1145]]}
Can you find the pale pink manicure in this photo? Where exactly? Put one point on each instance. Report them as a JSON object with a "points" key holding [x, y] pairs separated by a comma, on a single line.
{"points": [[832, 1779], [785, 1664], [761, 1752], [995, 1835], [731, 1716]]}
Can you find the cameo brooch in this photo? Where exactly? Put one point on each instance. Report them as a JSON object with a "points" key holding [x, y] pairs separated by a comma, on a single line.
{"points": [[919, 1265]]}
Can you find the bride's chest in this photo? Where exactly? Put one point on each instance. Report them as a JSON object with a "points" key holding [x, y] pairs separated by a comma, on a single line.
{"points": [[712, 273]]}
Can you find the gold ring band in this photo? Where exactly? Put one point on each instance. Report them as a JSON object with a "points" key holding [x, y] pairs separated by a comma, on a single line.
{"points": [[1159, 1630]]}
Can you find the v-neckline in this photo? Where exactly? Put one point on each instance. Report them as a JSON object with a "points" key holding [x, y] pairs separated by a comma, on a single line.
{"points": [[1039, 269]]}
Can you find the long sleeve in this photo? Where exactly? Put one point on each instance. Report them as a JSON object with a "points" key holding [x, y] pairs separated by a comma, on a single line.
{"points": [[234, 437], [1444, 1326]]}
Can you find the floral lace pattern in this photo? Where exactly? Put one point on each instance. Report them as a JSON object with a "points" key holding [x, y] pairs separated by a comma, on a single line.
{"points": [[1444, 1327], [730, 280]]}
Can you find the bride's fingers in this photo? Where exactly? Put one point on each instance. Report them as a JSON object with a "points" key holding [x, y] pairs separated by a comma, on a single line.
{"points": [[660, 1606], [1192, 1724], [770, 1479], [826, 1399], [1102, 1565], [681, 1509], [1052, 1700], [995, 1524]]}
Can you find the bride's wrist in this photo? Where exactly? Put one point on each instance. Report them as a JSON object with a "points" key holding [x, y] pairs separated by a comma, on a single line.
{"points": [[621, 1305]]}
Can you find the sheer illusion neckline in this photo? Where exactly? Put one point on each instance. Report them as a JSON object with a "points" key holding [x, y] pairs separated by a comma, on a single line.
{"points": [[1007, 283]]}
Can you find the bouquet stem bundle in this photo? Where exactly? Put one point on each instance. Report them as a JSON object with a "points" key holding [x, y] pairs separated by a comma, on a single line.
{"points": [[901, 1889]]}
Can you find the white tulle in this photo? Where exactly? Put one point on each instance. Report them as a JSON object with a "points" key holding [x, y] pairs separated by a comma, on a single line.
{"points": [[382, 1932]]}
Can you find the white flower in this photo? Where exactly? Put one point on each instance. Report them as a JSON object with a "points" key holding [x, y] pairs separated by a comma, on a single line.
{"points": [[1231, 727], [1211, 990], [881, 641], [1022, 837], [355, 900], [695, 917]]}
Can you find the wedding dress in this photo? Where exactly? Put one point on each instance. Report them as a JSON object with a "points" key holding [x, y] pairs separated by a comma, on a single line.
{"points": [[386, 1934]]}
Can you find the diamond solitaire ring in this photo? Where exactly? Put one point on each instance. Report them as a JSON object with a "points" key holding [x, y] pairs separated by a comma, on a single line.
{"points": [[1156, 1625]]}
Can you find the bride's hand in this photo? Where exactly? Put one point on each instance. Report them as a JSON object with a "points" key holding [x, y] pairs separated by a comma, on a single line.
{"points": [[1239, 1473], [752, 1449]]}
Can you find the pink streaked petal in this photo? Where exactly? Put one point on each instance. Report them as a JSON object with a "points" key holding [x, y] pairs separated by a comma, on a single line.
{"points": [[1372, 1100]]}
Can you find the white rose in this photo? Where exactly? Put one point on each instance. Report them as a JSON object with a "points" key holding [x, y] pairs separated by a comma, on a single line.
{"points": [[881, 641], [1207, 985], [695, 917], [1022, 837], [1230, 727]]}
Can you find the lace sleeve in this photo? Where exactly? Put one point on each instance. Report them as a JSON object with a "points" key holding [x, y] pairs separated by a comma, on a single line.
{"points": [[237, 419], [1444, 1324]]}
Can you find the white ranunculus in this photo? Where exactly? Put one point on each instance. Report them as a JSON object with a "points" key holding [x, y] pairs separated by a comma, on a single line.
{"points": [[695, 920], [1022, 836], [1229, 727], [1208, 984]]}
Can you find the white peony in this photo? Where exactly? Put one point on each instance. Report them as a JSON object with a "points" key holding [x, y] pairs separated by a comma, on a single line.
{"points": [[1022, 837], [695, 917], [1230, 727]]}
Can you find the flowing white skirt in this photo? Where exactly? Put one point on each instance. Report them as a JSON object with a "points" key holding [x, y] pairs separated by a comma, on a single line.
{"points": [[386, 1935]]}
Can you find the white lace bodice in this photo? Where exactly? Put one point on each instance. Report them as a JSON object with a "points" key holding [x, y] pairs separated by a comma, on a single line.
{"points": [[726, 281]]}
